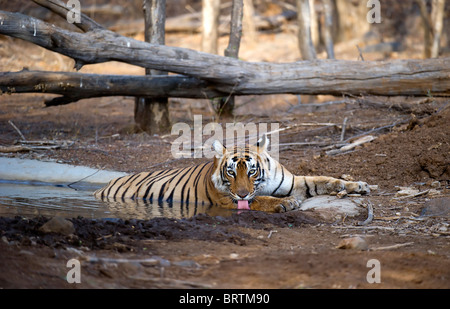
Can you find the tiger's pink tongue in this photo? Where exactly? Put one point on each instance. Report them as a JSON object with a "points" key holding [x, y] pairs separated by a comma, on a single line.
{"points": [[243, 204]]}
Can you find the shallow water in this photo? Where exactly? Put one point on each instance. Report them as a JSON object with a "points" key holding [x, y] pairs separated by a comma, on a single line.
{"points": [[40, 199]]}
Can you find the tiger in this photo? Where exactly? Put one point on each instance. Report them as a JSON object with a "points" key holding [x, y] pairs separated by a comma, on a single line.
{"points": [[243, 178]]}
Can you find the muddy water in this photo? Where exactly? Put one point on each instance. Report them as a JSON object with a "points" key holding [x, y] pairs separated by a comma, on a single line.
{"points": [[40, 199], [28, 188]]}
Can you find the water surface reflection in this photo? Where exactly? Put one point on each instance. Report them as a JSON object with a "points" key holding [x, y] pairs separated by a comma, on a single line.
{"points": [[38, 199]]}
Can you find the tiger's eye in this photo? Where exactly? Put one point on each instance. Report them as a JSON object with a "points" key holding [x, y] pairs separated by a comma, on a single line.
{"points": [[231, 173]]}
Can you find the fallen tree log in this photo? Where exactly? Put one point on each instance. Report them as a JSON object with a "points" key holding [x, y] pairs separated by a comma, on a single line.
{"points": [[233, 76], [76, 86]]}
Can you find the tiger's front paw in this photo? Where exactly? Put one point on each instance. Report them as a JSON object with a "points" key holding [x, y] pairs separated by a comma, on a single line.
{"points": [[357, 187], [287, 204]]}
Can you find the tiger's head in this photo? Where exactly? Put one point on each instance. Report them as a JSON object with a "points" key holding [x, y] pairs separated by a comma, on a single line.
{"points": [[239, 172]]}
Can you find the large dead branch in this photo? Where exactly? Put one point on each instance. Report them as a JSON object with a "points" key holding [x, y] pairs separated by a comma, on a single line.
{"points": [[229, 75], [75, 86]]}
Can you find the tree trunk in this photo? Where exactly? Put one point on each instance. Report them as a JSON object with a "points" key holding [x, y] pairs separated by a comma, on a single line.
{"points": [[437, 18], [328, 28], [210, 22], [226, 104], [427, 29], [152, 114], [305, 42], [315, 35], [432, 26], [249, 25]]}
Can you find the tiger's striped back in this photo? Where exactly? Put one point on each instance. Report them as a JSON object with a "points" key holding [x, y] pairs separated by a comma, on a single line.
{"points": [[172, 185]]}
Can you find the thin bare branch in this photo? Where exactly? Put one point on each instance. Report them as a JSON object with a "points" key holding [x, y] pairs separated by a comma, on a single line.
{"points": [[62, 10]]}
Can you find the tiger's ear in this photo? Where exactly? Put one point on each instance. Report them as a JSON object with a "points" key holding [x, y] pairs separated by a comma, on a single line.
{"points": [[219, 148], [262, 144]]}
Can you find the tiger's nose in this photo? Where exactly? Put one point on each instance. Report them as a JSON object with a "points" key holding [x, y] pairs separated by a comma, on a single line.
{"points": [[242, 193]]}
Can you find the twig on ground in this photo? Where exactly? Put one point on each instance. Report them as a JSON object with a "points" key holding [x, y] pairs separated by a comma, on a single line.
{"points": [[373, 227], [17, 130], [392, 247], [343, 129], [271, 232], [360, 141], [360, 53], [35, 145], [10, 149], [369, 214], [412, 195]]}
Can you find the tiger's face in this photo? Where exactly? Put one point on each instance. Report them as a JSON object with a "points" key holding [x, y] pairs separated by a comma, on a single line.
{"points": [[239, 172]]}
